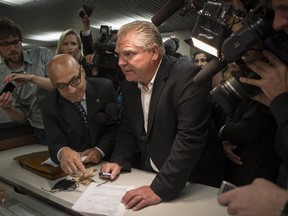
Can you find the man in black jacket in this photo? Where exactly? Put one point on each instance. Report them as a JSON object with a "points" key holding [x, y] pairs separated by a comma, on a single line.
{"points": [[165, 116], [72, 134]]}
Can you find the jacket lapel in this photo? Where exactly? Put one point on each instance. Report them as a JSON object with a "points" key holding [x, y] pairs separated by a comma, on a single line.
{"points": [[71, 116], [93, 103], [158, 86]]}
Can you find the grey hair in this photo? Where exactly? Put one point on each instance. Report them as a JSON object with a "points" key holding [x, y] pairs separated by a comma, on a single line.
{"points": [[148, 31]]}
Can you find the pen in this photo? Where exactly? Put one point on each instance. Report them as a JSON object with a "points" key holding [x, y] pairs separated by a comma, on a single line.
{"points": [[102, 183]]}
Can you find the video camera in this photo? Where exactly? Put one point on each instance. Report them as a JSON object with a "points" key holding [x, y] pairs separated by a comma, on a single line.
{"points": [[236, 37], [104, 54]]}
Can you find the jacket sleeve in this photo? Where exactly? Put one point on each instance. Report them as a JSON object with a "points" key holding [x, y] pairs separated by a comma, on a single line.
{"points": [[279, 107], [87, 42]]}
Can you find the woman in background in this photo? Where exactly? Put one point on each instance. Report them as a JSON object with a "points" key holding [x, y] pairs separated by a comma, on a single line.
{"points": [[70, 43]]}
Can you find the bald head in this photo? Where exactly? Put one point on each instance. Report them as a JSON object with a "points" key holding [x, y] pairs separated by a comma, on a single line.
{"points": [[67, 76], [61, 64]]}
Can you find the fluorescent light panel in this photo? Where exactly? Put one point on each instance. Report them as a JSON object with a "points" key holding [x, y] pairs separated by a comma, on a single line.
{"points": [[117, 24], [48, 36], [205, 47], [15, 2]]}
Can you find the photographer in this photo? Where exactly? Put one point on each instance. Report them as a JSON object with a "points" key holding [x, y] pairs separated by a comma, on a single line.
{"points": [[262, 197], [274, 86], [100, 54]]}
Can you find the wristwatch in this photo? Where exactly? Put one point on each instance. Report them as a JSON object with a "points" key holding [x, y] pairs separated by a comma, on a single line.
{"points": [[284, 210]]}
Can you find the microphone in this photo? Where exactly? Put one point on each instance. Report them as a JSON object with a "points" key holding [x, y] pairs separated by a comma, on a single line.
{"points": [[166, 11], [212, 68], [112, 110], [102, 118], [110, 116]]}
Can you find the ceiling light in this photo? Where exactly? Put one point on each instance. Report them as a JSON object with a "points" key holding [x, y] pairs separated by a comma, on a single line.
{"points": [[48, 36], [16, 2], [119, 22]]}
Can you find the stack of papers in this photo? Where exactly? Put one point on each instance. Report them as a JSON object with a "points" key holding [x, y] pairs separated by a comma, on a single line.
{"points": [[102, 200]]}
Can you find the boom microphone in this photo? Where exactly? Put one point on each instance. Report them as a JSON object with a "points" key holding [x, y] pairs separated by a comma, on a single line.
{"points": [[212, 68], [102, 118], [110, 116], [112, 110], [166, 11]]}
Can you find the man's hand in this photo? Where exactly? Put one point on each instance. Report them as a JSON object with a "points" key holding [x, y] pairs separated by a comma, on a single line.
{"points": [[93, 155], [274, 76], [6, 100], [260, 198], [140, 198], [229, 151], [85, 20], [112, 168], [70, 162], [20, 79], [262, 98]]}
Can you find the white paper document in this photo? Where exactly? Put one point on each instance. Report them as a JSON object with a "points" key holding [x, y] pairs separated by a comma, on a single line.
{"points": [[102, 200]]}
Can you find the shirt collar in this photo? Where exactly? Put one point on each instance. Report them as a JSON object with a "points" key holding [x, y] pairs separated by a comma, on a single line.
{"points": [[151, 83], [26, 57]]}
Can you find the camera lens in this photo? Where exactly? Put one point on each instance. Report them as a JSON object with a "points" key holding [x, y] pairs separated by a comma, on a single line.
{"points": [[228, 94]]}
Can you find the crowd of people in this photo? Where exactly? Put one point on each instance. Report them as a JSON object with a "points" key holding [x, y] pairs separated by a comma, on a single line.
{"points": [[161, 110]]}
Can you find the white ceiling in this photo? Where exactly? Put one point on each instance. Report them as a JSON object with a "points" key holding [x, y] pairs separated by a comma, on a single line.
{"points": [[38, 17]]}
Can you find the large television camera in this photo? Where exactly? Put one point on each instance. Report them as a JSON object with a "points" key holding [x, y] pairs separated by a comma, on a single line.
{"points": [[105, 58], [236, 37], [104, 54], [231, 35]]}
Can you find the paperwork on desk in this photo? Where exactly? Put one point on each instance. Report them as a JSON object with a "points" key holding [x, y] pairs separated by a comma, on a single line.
{"points": [[102, 200]]}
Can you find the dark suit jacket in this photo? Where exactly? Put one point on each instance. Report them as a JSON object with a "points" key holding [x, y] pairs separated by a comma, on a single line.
{"points": [[87, 42], [279, 108], [252, 128], [177, 126], [64, 126]]}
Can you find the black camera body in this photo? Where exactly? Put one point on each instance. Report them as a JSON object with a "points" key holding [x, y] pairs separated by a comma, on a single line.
{"points": [[240, 46], [85, 10], [104, 50], [105, 56]]}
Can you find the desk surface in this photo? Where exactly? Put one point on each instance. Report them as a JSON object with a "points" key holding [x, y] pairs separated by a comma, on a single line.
{"points": [[195, 199]]}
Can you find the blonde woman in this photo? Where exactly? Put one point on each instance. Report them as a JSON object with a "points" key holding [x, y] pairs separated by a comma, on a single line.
{"points": [[70, 43]]}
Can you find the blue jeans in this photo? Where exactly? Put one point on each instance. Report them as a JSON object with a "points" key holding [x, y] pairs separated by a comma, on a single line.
{"points": [[40, 136]]}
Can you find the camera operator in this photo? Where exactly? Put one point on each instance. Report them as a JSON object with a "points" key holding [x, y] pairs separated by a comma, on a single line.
{"points": [[263, 197], [101, 54], [274, 86]]}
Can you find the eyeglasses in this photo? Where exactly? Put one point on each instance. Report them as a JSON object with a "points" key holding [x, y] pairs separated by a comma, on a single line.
{"points": [[62, 185], [7, 45], [75, 81]]}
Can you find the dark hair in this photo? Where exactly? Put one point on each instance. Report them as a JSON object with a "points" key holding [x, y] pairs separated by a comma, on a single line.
{"points": [[9, 28], [208, 56], [171, 46]]}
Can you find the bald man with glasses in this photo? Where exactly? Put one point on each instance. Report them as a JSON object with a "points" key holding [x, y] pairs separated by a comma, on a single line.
{"points": [[70, 116]]}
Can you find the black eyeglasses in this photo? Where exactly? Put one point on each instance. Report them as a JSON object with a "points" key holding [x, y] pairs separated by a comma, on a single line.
{"points": [[7, 45], [75, 81], [62, 185]]}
